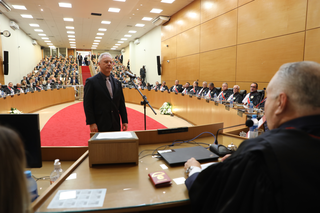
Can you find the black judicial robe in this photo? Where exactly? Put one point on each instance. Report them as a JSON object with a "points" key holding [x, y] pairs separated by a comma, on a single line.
{"points": [[237, 98], [276, 172]]}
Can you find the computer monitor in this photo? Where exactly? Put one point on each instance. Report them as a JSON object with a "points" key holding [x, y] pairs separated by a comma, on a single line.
{"points": [[28, 128]]}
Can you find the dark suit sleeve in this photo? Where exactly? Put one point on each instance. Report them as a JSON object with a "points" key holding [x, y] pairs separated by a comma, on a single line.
{"points": [[88, 102], [191, 179]]}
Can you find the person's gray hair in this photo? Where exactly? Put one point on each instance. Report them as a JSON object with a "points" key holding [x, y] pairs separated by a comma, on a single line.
{"points": [[225, 83], [237, 86], [103, 54], [301, 82]]}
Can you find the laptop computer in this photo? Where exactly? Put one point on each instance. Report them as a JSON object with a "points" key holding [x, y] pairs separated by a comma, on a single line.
{"points": [[177, 157]]}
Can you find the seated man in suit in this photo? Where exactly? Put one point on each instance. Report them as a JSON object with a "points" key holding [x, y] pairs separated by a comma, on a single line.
{"points": [[271, 172], [225, 93], [212, 90], [177, 88], [186, 88], [195, 89], [204, 89], [157, 86], [236, 96], [252, 97], [74, 81], [9, 90], [163, 87], [18, 89]]}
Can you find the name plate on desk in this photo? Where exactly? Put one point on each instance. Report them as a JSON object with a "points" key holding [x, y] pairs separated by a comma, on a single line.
{"points": [[240, 113], [227, 107], [113, 147], [216, 103]]}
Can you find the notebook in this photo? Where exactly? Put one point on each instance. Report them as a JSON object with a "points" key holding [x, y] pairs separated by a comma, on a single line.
{"points": [[177, 157]]}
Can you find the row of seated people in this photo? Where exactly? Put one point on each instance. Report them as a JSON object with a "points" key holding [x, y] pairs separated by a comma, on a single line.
{"points": [[256, 97]]}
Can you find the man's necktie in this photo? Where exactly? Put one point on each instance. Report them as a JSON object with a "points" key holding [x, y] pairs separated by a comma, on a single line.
{"points": [[109, 86]]}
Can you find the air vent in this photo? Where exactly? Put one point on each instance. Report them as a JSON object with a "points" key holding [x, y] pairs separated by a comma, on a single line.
{"points": [[160, 20], [39, 19], [96, 14], [129, 25], [4, 6]]}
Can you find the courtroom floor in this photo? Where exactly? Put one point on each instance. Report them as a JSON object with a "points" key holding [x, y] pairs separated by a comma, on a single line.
{"points": [[166, 120]]}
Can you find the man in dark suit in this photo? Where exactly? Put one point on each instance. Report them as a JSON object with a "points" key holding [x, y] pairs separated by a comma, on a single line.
{"points": [[177, 88], [103, 99], [121, 58], [225, 93], [143, 73], [212, 90], [195, 90], [80, 59]]}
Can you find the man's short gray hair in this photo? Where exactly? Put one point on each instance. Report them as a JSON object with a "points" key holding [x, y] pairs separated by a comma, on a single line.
{"points": [[103, 54], [301, 82]]}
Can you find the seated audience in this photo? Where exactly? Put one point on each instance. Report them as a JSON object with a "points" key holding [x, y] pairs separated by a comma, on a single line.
{"points": [[236, 96], [252, 97], [277, 171], [177, 88], [225, 93]]}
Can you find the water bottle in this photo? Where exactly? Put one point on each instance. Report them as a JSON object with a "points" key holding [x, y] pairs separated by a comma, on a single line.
{"points": [[231, 102], [251, 107], [220, 99], [254, 128], [57, 171], [12, 92], [215, 97], [32, 186]]}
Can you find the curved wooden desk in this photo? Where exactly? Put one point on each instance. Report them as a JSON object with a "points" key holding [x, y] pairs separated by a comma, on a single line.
{"points": [[31, 102], [128, 186]]}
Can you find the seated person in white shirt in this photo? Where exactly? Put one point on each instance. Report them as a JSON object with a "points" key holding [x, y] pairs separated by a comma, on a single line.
{"points": [[18, 89], [177, 88], [157, 86], [236, 96], [225, 93], [163, 87], [195, 90], [186, 88], [212, 90], [252, 97], [204, 90]]}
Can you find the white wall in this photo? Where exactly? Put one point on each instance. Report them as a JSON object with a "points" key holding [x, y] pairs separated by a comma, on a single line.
{"points": [[23, 56], [146, 54]]}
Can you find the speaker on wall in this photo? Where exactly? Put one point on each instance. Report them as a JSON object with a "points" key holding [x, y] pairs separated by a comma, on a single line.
{"points": [[6, 62], [158, 65]]}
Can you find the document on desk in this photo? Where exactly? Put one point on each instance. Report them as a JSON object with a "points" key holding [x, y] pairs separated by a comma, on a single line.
{"points": [[114, 135], [79, 198]]}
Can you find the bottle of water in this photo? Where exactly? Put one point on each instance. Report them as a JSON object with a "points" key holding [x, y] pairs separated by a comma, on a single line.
{"points": [[215, 97], [57, 172], [251, 107], [231, 102], [12, 92], [32, 186], [220, 99], [254, 128]]}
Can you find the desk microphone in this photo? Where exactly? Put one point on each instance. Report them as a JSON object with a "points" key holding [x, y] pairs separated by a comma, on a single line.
{"points": [[221, 150], [130, 74]]}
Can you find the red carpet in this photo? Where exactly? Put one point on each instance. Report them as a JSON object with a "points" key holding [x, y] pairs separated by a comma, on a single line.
{"points": [[85, 73], [68, 127]]}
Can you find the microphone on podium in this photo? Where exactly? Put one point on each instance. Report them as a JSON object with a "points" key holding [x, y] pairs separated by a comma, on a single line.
{"points": [[221, 150], [130, 74]]}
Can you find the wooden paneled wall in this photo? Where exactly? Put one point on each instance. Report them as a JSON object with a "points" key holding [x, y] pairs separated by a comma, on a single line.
{"points": [[238, 41], [1, 63]]}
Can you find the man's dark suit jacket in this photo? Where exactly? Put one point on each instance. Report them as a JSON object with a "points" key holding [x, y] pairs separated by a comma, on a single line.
{"points": [[179, 88], [100, 108]]}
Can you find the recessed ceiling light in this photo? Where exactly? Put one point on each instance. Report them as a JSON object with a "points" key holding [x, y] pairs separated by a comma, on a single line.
{"points": [[26, 16], [123, 39], [120, 0], [41, 9], [34, 25], [67, 5], [114, 10], [146, 19], [167, 1], [71, 36], [93, 48], [38, 30], [73, 47], [72, 42], [68, 19], [132, 31], [120, 42], [49, 44], [127, 35], [106, 22], [98, 37], [100, 33], [154, 10], [96, 40], [69, 27], [70, 32], [113, 48], [139, 25], [102, 29], [44, 38], [95, 43], [47, 41], [72, 39], [41, 34], [19, 7], [52, 47]]}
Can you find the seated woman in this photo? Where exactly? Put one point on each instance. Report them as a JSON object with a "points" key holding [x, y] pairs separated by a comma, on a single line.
{"points": [[14, 196]]}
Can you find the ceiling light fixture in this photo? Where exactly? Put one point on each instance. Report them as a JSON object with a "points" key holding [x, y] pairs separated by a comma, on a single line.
{"points": [[66, 5], [26, 16], [19, 7], [127, 35], [139, 25], [68, 19], [114, 10], [154, 10], [69, 27], [102, 29], [146, 19], [132, 31], [100, 33], [38, 30], [167, 1], [34, 25], [70, 32], [105, 22]]}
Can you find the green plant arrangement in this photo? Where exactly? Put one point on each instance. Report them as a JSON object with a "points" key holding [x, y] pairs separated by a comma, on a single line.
{"points": [[15, 111], [166, 109]]}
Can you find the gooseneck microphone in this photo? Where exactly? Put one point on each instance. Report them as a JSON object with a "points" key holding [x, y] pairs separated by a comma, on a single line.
{"points": [[221, 150], [130, 74]]}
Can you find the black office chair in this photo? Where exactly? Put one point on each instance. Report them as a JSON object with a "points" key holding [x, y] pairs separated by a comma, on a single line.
{"points": [[262, 92], [219, 90], [243, 93]]}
